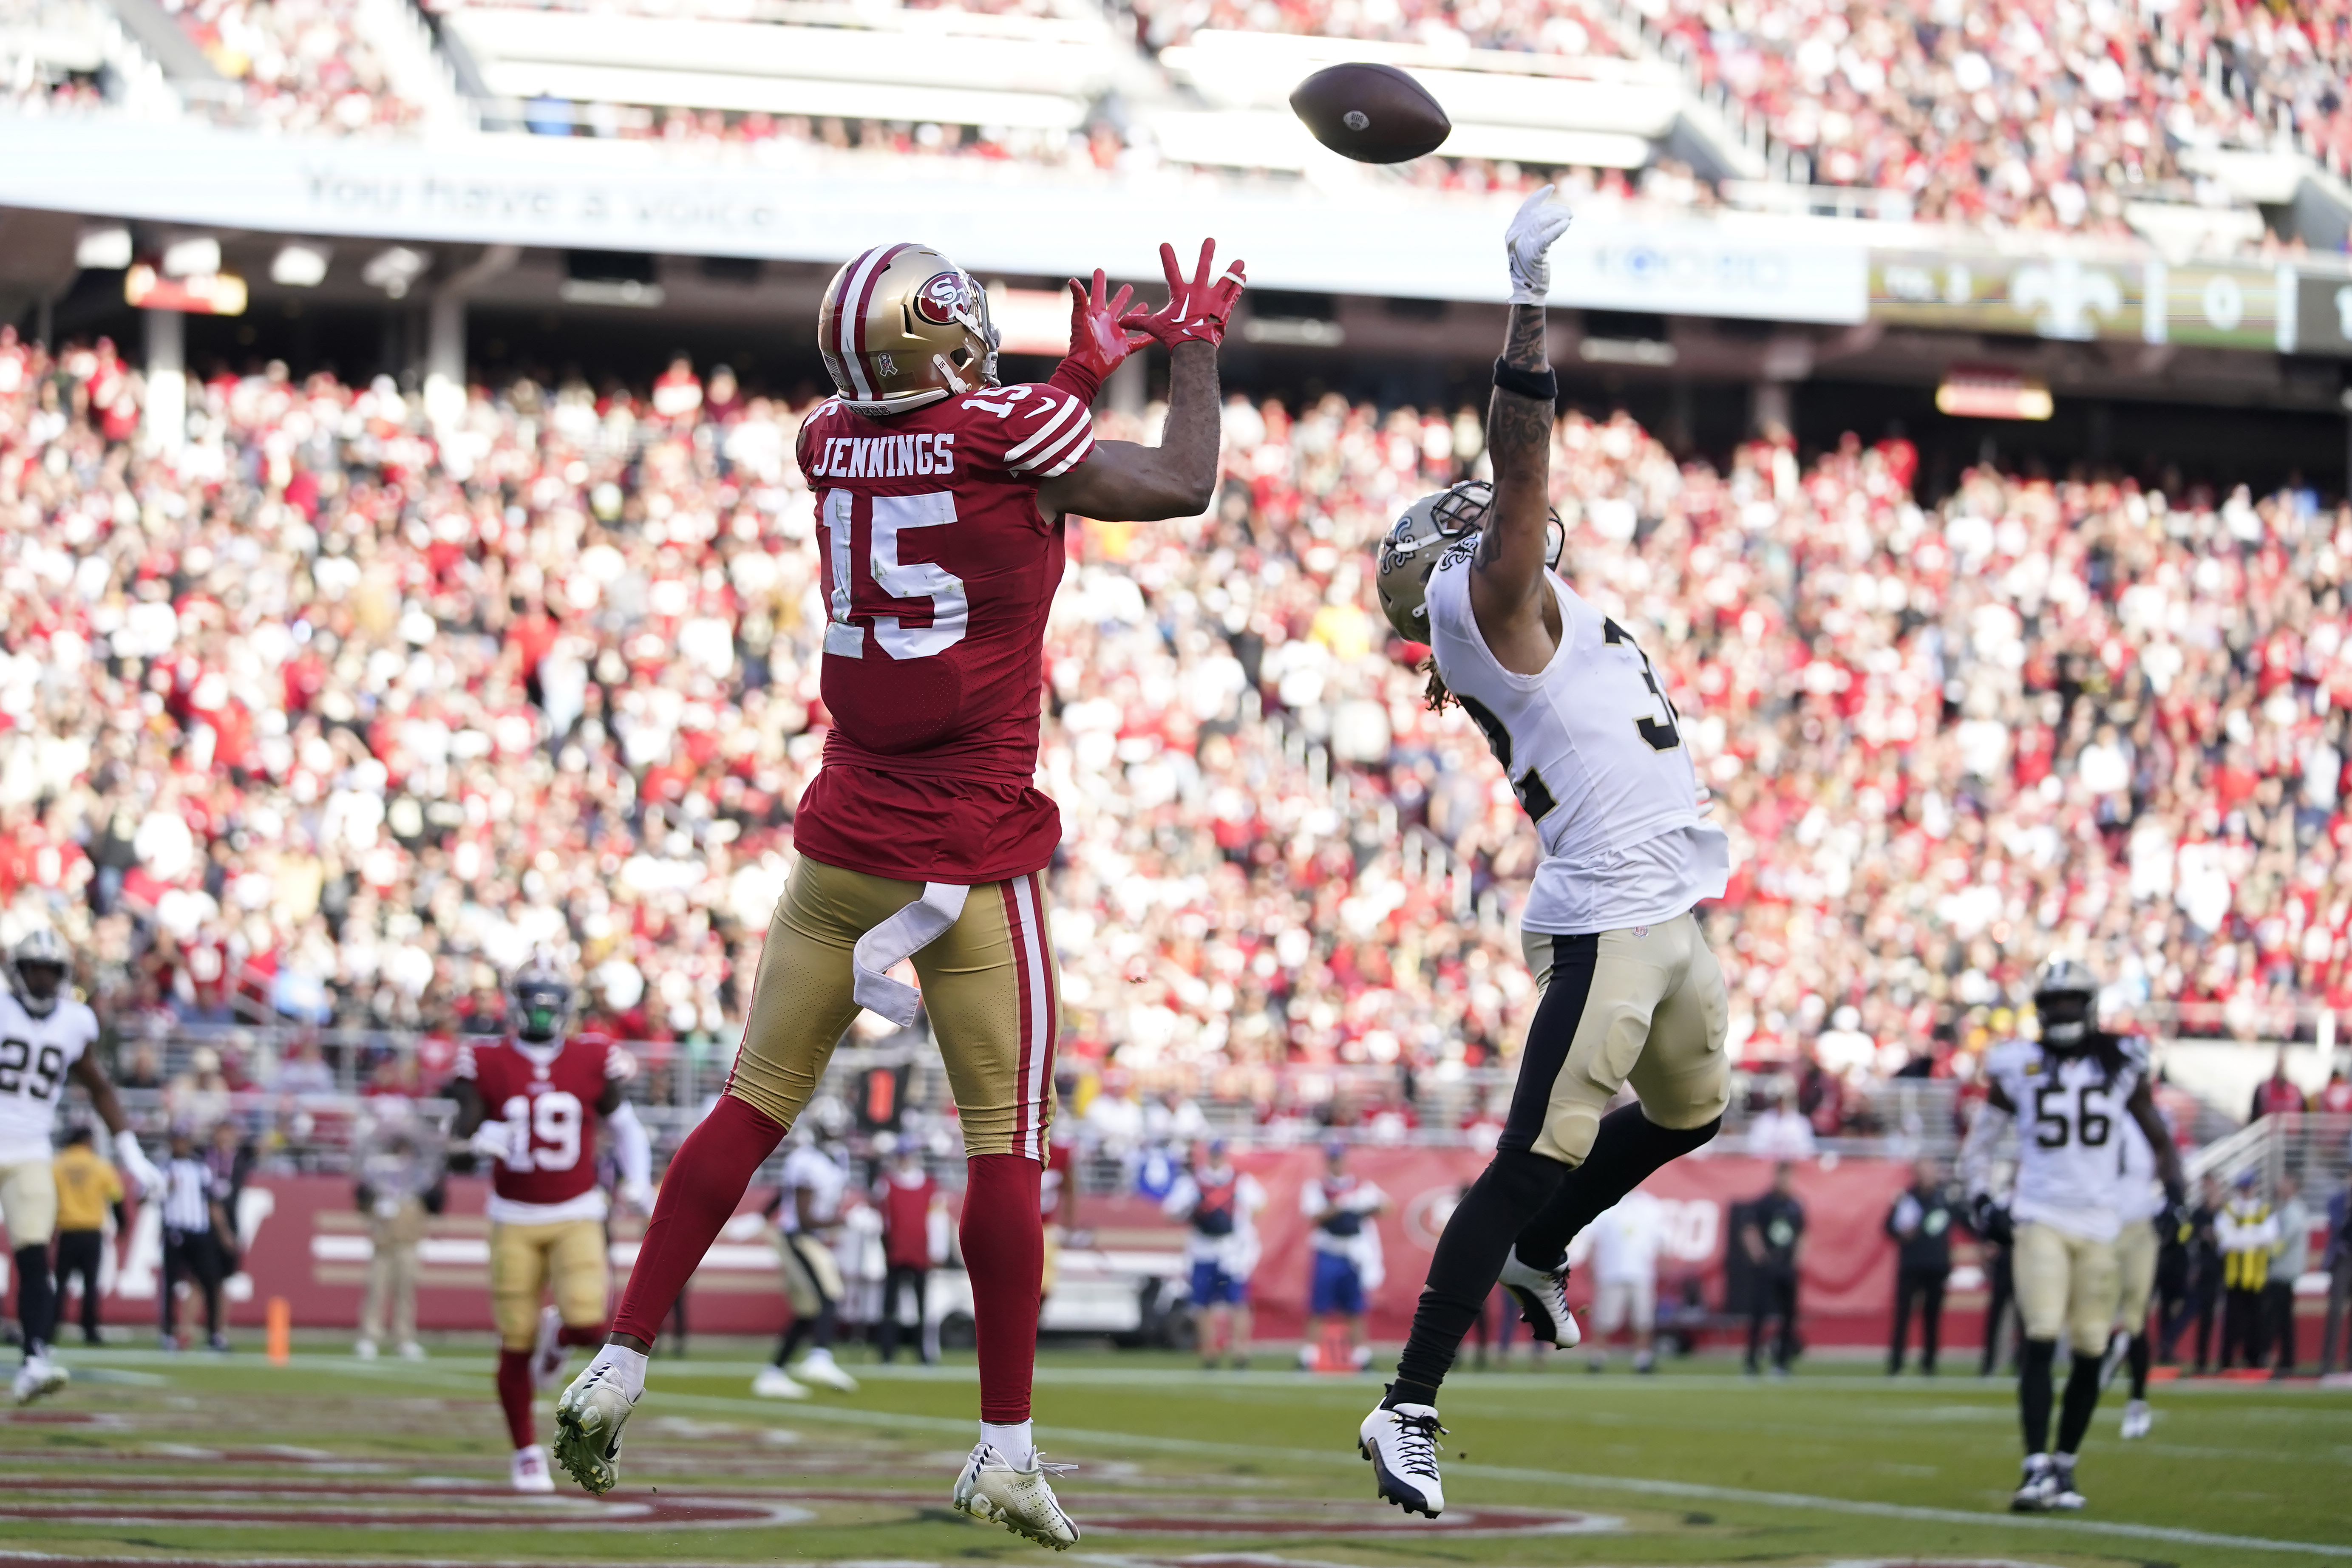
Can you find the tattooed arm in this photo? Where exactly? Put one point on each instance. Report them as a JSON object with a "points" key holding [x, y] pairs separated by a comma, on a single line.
{"points": [[1516, 614]]}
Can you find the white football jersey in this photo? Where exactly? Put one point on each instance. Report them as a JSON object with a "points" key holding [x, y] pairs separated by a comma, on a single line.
{"points": [[2139, 1191], [2070, 1128], [35, 1055], [1592, 751], [825, 1176]]}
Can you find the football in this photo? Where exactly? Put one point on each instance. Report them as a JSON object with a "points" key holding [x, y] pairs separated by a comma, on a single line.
{"points": [[1372, 113]]}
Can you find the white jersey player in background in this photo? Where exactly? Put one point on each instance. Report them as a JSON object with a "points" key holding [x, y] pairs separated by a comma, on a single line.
{"points": [[2067, 1093], [808, 1212], [1581, 723], [2142, 1209], [45, 1040]]}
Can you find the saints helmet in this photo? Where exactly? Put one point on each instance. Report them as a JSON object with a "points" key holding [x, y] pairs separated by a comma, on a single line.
{"points": [[2066, 1004], [902, 326], [538, 1002], [38, 967], [1429, 527]]}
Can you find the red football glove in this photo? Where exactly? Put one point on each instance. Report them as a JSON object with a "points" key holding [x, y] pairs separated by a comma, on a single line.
{"points": [[1099, 343], [1195, 312]]}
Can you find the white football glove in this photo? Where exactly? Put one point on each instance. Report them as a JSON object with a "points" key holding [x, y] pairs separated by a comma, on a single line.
{"points": [[1535, 227], [638, 1195], [493, 1141], [144, 1178]]}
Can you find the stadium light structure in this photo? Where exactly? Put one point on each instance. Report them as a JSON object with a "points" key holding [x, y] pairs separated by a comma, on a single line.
{"points": [[299, 266], [103, 247], [393, 268], [199, 255], [1989, 391]]}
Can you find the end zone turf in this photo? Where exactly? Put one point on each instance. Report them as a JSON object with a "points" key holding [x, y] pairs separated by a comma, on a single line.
{"points": [[162, 1459]]}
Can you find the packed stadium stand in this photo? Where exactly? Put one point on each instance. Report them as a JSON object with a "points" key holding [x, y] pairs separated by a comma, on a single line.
{"points": [[328, 720]]}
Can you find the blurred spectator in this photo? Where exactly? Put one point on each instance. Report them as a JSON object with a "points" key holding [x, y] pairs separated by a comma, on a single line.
{"points": [[2335, 1097], [1921, 1223], [1218, 1206], [1346, 1262], [1781, 1132], [2289, 1261], [87, 1192], [2277, 1094], [2337, 1260], [1626, 1242], [1773, 1236], [305, 1072], [2246, 1231], [2203, 1300], [400, 1169], [911, 1204]]}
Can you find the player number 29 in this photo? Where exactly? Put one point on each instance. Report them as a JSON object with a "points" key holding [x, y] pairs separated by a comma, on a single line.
{"points": [[893, 515], [41, 1082], [555, 1119]]}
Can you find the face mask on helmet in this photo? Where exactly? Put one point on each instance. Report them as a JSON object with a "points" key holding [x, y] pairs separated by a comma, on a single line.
{"points": [[540, 1011], [2065, 1018], [41, 983], [1431, 526]]}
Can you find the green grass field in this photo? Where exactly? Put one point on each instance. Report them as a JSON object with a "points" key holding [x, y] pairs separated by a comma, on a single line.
{"points": [[328, 1460]]}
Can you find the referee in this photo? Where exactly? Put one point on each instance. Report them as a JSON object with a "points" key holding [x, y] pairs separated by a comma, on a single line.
{"points": [[195, 1230]]}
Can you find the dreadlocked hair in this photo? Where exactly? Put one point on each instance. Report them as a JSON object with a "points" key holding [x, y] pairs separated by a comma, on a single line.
{"points": [[1438, 697]]}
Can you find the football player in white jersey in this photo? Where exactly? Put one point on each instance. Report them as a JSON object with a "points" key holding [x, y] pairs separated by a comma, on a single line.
{"points": [[45, 1040], [2066, 1093], [2143, 1211], [1576, 715]]}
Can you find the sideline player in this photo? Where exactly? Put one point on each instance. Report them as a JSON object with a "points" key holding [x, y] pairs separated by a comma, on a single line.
{"points": [[1344, 1250], [808, 1213], [1218, 1206], [2066, 1093], [523, 1104], [1576, 715], [2143, 1214], [45, 1040], [941, 498]]}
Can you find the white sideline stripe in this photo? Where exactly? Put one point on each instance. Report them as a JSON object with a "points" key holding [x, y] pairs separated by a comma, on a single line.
{"points": [[811, 1412]]}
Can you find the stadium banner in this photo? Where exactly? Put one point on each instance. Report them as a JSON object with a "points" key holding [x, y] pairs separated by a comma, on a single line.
{"points": [[2080, 297], [2323, 316], [569, 191]]}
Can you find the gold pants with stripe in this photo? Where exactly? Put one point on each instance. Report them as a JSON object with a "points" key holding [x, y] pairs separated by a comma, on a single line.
{"points": [[526, 1260], [28, 1203], [2136, 1252], [989, 986], [2065, 1284]]}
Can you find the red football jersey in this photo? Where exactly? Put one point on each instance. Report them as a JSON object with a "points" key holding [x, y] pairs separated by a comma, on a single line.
{"points": [[940, 571], [549, 1112]]}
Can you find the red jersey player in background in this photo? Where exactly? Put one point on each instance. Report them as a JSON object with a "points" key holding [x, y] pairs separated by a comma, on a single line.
{"points": [[523, 1107], [942, 496]]}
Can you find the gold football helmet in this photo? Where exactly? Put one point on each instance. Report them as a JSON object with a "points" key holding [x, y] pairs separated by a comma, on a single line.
{"points": [[1420, 538], [902, 326]]}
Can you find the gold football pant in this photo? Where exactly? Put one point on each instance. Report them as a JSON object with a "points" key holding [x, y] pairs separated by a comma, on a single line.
{"points": [[28, 1203], [2136, 1252], [2065, 1284], [988, 983], [812, 1273], [1647, 1007], [526, 1259]]}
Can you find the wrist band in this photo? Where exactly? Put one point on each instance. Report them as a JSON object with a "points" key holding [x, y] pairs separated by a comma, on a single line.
{"points": [[1528, 383]]}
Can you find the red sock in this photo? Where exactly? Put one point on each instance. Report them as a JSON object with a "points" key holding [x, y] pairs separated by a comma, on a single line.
{"points": [[707, 1179], [514, 1395], [1004, 1248], [591, 1336]]}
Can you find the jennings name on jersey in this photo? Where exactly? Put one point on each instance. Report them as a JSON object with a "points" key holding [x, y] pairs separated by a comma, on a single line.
{"points": [[940, 571], [546, 1095], [2071, 1111], [1592, 750], [36, 1053]]}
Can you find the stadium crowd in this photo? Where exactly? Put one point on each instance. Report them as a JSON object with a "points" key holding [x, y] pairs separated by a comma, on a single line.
{"points": [[331, 718]]}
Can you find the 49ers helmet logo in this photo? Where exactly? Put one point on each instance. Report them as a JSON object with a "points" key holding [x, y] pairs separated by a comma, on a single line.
{"points": [[943, 299]]}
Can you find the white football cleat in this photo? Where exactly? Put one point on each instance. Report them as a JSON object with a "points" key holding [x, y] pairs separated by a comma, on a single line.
{"points": [[364, 1350], [1021, 1501], [775, 1382], [1543, 1301], [1402, 1444], [37, 1379], [2037, 1489], [411, 1351], [527, 1471], [589, 1416], [2138, 1419], [546, 1353], [2063, 1497], [819, 1367]]}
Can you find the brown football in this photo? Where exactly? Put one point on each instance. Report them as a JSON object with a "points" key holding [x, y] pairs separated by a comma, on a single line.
{"points": [[1374, 114]]}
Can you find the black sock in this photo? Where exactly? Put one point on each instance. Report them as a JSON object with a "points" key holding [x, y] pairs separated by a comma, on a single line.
{"points": [[2033, 1392], [2082, 1403], [828, 1324], [794, 1337], [34, 1298], [1512, 1190], [1627, 1149], [2138, 1357]]}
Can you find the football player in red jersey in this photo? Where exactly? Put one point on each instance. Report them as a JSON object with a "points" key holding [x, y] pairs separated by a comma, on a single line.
{"points": [[942, 496], [523, 1107]]}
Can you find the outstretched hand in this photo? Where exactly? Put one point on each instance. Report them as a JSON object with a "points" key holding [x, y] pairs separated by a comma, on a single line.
{"points": [[1098, 342], [1196, 309], [1535, 227]]}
